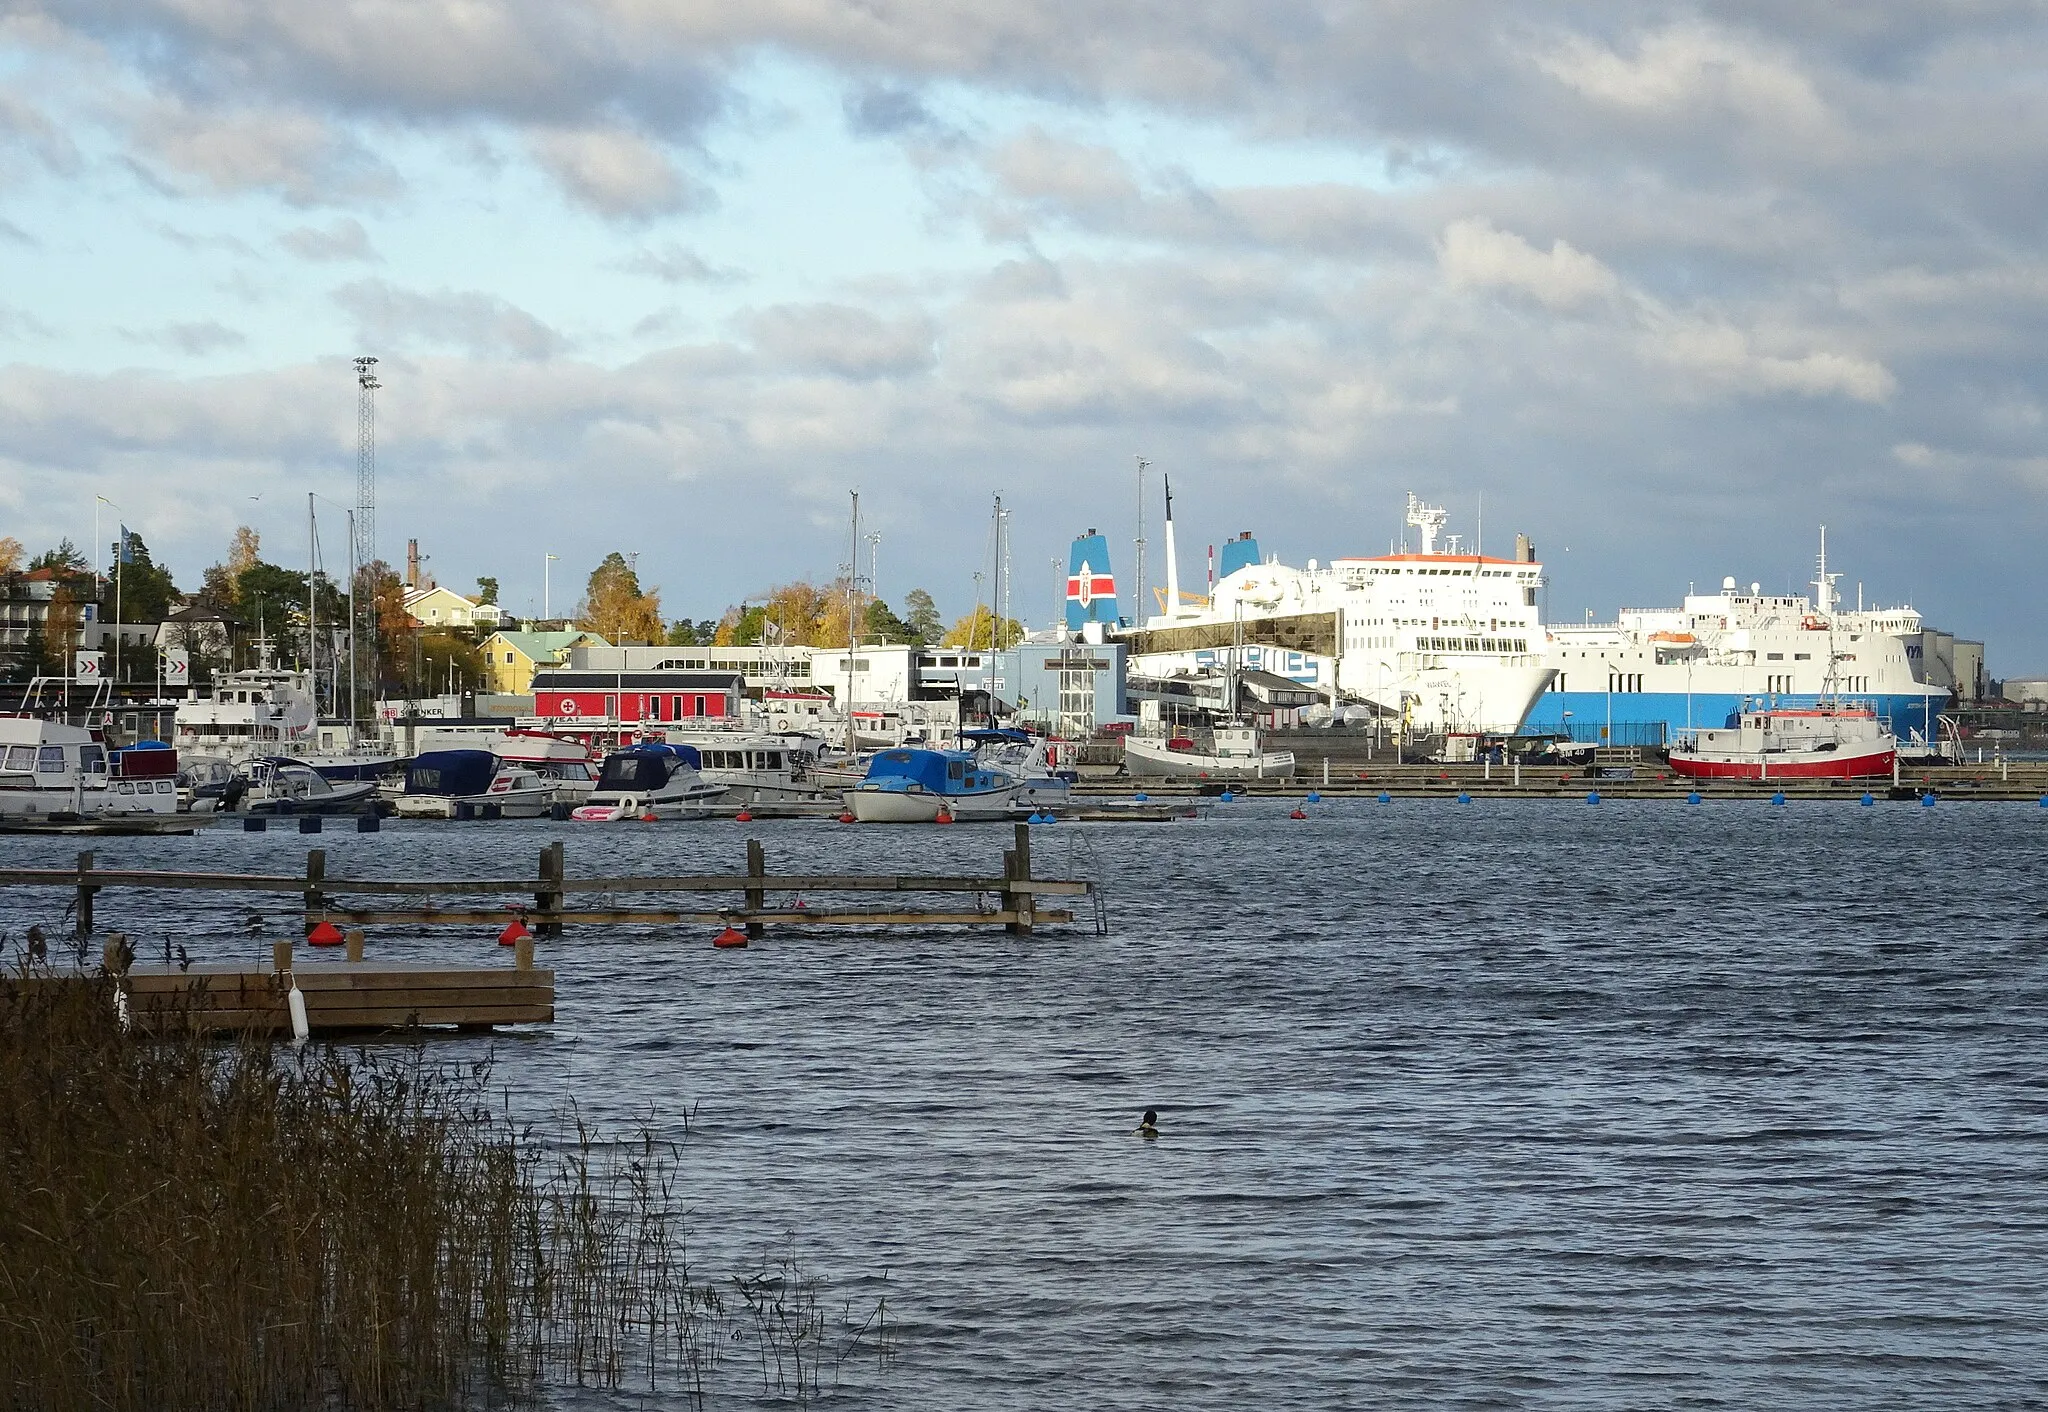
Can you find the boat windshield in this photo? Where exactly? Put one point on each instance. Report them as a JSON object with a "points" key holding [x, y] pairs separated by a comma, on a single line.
{"points": [[633, 770]]}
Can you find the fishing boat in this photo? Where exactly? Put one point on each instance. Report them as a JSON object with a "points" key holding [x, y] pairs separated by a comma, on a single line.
{"points": [[650, 781], [916, 786], [1229, 753], [465, 784], [277, 785], [1824, 741]]}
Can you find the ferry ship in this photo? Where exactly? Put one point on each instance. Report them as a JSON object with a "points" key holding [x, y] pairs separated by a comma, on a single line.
{"points": [[1441, 638], [1657, 674]]}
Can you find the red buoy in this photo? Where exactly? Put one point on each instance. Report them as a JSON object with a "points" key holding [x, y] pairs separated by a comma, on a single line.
{"points": [[743, 817], [325, 934], [514, 933], [1299, 814], [945, 817], [729, 939], [649, 818], [847, 817]]}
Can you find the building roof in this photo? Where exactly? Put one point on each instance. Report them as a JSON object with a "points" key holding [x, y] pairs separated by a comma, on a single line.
{"points": [[543, 646], [559, 679]]}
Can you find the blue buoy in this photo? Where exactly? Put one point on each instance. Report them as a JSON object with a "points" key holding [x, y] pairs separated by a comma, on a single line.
{"points": [[1778, 798], [1226, 796], [1314, 797], [1870, 799], [1386, 798], [2044, 801], [1464, 798], [1693, 798], [1141, 796], [1050, 817], [1594, 797], [1927, 800]]}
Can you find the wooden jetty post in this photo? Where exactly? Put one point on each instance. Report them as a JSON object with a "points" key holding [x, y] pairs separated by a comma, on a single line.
{"points": [[549, 896], [757, 897], [85, 893], [355, 944], [1018, 902]]}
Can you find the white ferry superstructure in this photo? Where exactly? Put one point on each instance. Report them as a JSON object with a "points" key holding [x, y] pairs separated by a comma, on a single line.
{"points": [[1655, 674], [1443, 639]]}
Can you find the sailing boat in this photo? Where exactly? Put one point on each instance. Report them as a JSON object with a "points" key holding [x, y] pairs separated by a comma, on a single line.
{"points": [[1231, 752]]}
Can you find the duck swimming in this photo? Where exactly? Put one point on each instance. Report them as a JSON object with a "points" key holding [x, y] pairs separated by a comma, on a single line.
{"points": [[1148, 1126]]}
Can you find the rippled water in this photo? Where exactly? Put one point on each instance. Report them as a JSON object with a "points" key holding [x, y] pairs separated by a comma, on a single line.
{"points": [[1502, 1104]]}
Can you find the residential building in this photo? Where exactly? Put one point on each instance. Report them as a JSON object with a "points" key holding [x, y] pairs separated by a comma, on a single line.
{"points": [[511, 658], [432, 606]]}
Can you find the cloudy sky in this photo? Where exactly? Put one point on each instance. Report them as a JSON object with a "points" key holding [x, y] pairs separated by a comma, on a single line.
{"points": [[1665, 286]]}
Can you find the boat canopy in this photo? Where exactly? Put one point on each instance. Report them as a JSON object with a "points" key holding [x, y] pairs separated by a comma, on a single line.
{"points": [[1000, 735], [931, 769], [451, 772], [645, 767]]}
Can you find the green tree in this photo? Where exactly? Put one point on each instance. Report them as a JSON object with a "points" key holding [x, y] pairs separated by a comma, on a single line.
{"points": [[486, 589], [64, 556], [922, 617], [884, 626], [144, 592], [437, 660], [684, 633]]}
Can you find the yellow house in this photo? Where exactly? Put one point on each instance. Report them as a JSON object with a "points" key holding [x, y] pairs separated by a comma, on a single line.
{"points": [[437, 607], [511, 658]]}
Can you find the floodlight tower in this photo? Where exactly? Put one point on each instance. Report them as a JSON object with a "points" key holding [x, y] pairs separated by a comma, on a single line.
{"points": [[366, 461]]}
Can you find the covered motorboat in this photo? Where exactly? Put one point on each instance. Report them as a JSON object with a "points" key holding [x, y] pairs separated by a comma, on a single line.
{"points": [[277, 785], [650, 781], [911, 786], [50, 769], [466, 784]]}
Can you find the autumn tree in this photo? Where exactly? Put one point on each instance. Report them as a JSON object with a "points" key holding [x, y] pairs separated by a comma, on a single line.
{"points": [[978, 629], [615, 607], [245, 551], [11, 554]]}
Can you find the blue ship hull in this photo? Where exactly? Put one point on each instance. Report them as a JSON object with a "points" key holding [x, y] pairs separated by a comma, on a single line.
{"points": [[1660, 717]]}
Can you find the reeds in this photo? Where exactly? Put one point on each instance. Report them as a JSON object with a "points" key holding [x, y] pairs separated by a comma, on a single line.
{"points": [[195, 1225]]}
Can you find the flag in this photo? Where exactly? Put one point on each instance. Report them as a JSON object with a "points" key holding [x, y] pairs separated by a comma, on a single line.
{"points": [[127, 547]]}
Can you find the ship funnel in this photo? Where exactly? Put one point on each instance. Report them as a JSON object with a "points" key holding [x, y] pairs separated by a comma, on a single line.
{"points": [[1091, 587]]}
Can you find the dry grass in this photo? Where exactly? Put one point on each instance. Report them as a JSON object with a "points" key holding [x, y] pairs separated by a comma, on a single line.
{"points": [[192, 1225]]}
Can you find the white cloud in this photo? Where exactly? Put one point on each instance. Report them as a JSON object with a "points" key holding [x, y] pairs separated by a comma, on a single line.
{"points": [[617, 174], [1472, 254]]}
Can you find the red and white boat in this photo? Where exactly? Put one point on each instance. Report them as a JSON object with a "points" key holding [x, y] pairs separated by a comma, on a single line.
{"points": [[1825, 741]]}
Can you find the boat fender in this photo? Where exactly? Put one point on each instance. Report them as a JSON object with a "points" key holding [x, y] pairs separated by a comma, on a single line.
{"points": [[1299, 814], [514, 933], [731, 939], [628, 807], [295, 1002], [325, 934]]}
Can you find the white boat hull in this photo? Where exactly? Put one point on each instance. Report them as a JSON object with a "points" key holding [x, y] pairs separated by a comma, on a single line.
{"points": [[908, 806], [1150, 758]]}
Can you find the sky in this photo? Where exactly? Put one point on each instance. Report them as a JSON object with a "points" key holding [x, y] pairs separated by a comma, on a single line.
{"points": [[1666, 287]]}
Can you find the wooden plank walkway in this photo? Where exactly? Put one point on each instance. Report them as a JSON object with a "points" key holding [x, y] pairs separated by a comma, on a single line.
{"points": [[1016, 891]]}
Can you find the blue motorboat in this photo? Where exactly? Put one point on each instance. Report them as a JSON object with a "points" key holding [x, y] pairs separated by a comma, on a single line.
{"points": [[914, 786]]}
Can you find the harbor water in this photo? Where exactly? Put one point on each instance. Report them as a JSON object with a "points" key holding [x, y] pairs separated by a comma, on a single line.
{"points": [[1508, 1104]]}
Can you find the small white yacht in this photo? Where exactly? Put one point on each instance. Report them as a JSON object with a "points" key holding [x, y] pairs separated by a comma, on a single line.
{"points": [[651, 781], [48, 767]]}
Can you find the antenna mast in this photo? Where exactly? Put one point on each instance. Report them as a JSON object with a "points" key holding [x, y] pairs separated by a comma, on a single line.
{"points": [[363, 530], [1138, 559]]}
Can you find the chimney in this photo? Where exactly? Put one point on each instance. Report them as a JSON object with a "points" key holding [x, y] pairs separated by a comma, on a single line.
{"points": [[1525, 551], [412, 563]]}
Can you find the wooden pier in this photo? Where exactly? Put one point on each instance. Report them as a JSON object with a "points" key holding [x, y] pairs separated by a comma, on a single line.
{"points": [[547, 904]]}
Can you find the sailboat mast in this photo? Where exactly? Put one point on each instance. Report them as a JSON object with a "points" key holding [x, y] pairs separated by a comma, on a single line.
{"points": [[852, 616], [312, 620]]}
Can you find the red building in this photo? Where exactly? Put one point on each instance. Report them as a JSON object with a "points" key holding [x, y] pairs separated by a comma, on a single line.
{"points": [[569, 699]]}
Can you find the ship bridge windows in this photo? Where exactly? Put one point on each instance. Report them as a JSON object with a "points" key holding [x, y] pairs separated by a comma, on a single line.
{"points": [[1802, 656], [1774, 656]]}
